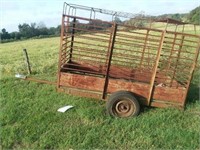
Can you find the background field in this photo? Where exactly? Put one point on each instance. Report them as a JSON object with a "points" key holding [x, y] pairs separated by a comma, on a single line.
{"points": [[29, 117]]}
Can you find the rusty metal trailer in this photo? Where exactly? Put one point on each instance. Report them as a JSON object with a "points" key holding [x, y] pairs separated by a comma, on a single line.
{"points": [[126, 65]]}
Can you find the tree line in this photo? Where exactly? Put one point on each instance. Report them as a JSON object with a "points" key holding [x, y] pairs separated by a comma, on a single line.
{"points": [[191, 17], [29, 31], [40, 30]]}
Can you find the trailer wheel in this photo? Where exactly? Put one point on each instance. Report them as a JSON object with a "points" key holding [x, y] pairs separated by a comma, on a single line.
{"points": [[123, 104]]}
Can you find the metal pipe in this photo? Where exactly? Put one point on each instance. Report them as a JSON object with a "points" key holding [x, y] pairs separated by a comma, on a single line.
{"points": [[109, 60]]}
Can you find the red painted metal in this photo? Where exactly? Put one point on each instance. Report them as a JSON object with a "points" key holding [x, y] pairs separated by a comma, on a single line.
{"points": [[98, 58]]}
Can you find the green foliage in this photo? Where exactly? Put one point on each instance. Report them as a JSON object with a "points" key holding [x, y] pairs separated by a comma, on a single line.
{"points": [[29, 31], [191, 17], [194, 16], [26, 30], [4, 34], [177, 17]]}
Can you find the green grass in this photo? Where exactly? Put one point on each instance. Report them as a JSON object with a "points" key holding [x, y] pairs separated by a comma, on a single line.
{"points": [[29, 117]]}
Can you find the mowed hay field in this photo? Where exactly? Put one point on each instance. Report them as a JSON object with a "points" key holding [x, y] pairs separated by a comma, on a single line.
{"points": [[29, 117]]}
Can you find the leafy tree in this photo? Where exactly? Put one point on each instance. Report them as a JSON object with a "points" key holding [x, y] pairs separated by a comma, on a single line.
{"points": [[51, 31], [17, 35], [43, 31], [58, 30], [3, 31], [12, 35], [25, 30], [4, 34], [194, 15], [177, 17]]}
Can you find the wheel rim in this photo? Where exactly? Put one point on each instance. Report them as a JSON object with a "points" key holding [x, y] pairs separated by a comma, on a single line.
{"points": [[124, 108]]}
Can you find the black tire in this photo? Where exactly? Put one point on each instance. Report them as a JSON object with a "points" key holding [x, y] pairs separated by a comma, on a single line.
{"points": [[123, 104]]}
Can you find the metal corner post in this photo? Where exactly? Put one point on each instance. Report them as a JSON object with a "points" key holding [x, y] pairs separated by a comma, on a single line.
{"points": [[156, 67], [109, 60]]}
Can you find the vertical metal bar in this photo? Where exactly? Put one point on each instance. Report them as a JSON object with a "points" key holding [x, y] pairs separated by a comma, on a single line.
{"points": [[109, 60], [191, 75], [65, 44], [155, 68], [109, 45], [60, 52], [72, 39], [27, 61], [144, 48], [177, 60], [171, 52]]}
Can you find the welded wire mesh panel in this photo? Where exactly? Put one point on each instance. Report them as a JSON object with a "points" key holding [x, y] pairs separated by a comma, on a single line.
{"points": [[86, 45], [178, 58], [135, 51]]}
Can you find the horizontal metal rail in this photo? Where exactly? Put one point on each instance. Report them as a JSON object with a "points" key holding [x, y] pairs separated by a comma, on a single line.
{"points": [[91, 31], [89, 44], [88, 24], [83, 71], [136, 37], [86, 64], [137, 33], [88, 19]]}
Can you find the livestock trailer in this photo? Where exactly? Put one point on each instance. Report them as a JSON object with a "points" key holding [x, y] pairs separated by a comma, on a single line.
{"points": [[125, 65]]}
